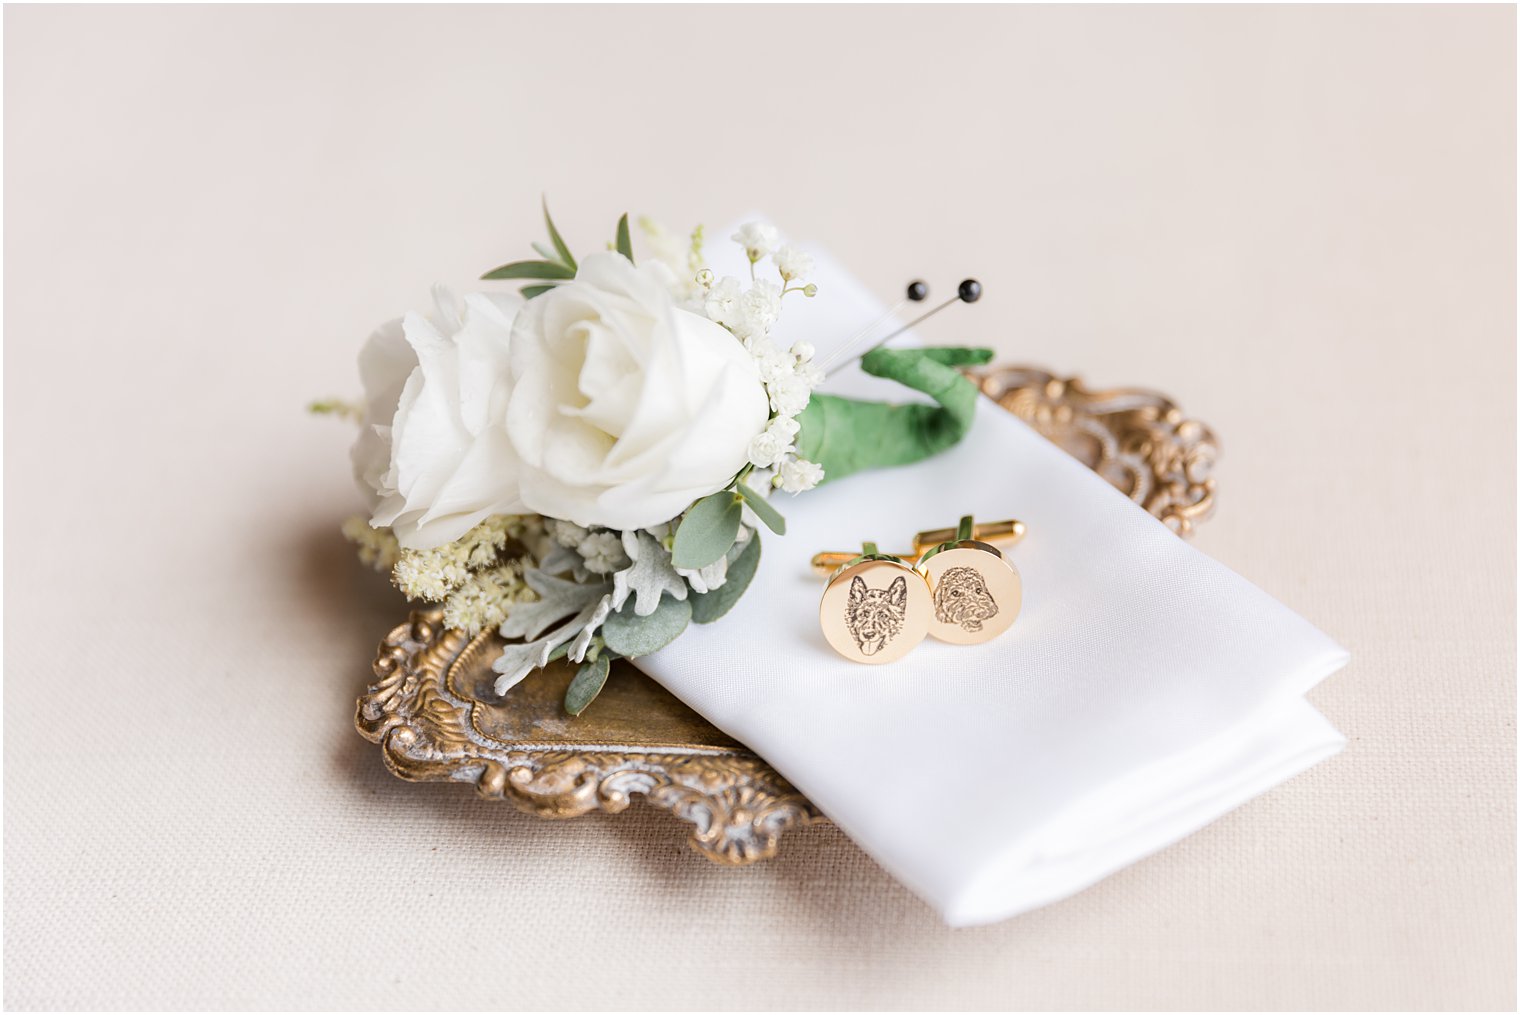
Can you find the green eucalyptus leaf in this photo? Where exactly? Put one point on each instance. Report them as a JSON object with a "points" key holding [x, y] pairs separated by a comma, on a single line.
{"points": [[587, 684], [531, 269], [708, 530], [530, 291], [630, 635], [559, 242], [624, 241], [709, 606], [763, 510]]}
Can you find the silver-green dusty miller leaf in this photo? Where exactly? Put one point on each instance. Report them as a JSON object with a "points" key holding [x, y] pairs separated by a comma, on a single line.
{"points": [[557, 598], [518, 660], [650, 574], [560, 559], [582, 642]]}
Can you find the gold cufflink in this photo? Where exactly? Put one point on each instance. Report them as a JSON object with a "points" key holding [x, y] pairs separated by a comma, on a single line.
{"points": [[876, 607], [976, 591]]}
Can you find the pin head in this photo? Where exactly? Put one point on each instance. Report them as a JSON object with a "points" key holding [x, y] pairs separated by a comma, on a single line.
{"points": [[970, 291], [918, 290]]}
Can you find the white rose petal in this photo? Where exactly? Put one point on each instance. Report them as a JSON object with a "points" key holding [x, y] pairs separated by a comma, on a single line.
{"points": [[447, 462], [623, 408]]}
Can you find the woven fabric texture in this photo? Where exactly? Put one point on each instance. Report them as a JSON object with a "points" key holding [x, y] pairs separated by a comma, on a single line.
{"points": [[1297, 221]]}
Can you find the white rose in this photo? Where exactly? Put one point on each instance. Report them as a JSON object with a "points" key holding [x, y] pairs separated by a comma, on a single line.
{"points": [[432, 453], [625, 408]]}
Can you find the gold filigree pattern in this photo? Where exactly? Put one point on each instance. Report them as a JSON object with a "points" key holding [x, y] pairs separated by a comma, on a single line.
{"points": [[434, 713], [431, 727], [1138, 440]]}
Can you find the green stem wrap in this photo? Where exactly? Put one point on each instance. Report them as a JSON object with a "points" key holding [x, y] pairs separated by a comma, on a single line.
{"points": [[845, 435]]}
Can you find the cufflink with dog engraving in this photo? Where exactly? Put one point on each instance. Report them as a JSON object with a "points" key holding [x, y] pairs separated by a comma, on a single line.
{"points": [[976, 591], [876, 607]]}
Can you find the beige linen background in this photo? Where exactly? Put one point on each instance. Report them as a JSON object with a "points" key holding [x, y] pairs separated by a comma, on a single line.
{"points": [[1298, 221]]}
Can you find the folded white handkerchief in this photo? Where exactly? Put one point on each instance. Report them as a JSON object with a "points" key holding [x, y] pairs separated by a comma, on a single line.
{"points": [[1144, 691]]}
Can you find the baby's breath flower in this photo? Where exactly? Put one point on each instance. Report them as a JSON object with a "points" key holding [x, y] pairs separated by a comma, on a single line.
{"points": [[762, 481], [603, 552], [722, 302], [772, 363], [759, 308], [802, 351], [793, 263], [810, 290], [566, 534], [377, 547], [774, 443], [799, 474], [789, 395], [757, 239], [766, 449]]}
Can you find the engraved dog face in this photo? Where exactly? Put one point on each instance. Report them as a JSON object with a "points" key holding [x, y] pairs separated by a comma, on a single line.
{"points": [[874, 616], [961, 597]]}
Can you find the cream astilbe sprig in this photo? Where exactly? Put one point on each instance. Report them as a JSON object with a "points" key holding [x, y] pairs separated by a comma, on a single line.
{"points": [[377, 547], [486, 597], [431, 575]]}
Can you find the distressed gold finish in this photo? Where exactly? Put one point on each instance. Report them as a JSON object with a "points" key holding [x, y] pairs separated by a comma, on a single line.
{"points": [[433, 712], [1138, 440], [436, 718]]}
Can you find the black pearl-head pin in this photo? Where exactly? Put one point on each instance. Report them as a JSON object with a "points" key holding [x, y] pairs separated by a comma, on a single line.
{"points": [[969, 291]]}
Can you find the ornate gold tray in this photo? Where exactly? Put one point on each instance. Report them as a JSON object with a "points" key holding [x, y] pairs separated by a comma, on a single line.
{"points": [[435, 716]]}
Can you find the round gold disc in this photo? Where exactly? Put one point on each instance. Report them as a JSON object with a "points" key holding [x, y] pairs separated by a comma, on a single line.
{"points": [[977, 592], [875, 611]]}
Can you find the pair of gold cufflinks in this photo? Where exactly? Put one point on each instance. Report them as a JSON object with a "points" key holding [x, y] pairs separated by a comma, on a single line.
{"points": [[955, 585]]}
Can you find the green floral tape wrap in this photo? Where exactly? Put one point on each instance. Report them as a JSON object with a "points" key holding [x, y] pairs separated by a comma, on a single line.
{"points": [[845, 435]]}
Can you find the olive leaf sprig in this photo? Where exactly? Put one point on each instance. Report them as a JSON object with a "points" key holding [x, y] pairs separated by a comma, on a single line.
{"points": [[554, 265]]}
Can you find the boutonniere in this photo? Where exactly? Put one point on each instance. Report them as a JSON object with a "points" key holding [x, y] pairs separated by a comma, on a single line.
{"points": [[586, 464]]}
